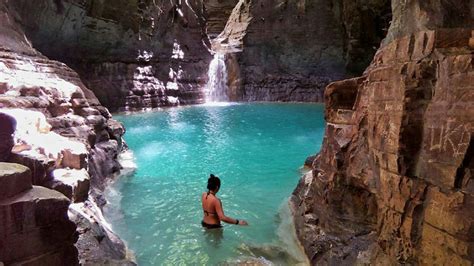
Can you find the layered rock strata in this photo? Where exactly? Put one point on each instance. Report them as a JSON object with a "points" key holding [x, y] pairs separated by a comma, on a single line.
{"points": [[289, 50], [392, 183], [131, 54], [144, 54], [217, 13], [34, 228], [65, 137]]}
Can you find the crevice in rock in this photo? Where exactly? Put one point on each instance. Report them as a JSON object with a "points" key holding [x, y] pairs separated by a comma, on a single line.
{"points": [[365, 26], [417, 216], [466, 164], [420, 83]]}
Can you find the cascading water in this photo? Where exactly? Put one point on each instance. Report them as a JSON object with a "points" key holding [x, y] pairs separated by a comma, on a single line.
{"points": [[216, 88]]}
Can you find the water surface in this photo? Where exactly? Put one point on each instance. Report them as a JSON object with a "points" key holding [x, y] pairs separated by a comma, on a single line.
{"points": [[256, 149]]}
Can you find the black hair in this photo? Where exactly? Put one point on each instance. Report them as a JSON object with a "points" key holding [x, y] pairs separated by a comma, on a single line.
{"points": [[213, 182]]}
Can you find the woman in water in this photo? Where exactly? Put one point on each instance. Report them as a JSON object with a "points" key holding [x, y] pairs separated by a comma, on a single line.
{"points": [[212, 206]]}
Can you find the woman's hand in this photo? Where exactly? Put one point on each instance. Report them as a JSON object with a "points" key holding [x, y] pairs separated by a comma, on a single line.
{"points": [[243, 222]]}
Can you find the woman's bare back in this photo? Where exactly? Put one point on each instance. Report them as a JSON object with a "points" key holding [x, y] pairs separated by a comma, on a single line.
{"points": [[209, 202]]}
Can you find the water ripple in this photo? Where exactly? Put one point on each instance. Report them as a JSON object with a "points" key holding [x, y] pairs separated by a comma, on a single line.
{"points": [[255, 149]]}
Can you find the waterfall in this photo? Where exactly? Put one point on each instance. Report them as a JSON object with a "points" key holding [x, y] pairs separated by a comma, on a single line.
{"points": [[216, 88]]}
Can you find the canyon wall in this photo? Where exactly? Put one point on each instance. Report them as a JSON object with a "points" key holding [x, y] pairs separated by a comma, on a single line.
{"points": [[289, 50], [393, 183], [133, 54], [136, 54], [68, 142]]}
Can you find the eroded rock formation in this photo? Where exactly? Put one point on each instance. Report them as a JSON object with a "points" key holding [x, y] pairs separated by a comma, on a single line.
{"points": [[136, 54], [67, 140], [34, 228], [132, 53], [217, 14], [291, 49], [393, 181]]}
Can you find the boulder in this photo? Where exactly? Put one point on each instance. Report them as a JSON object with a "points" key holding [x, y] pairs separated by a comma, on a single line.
{"points": [[35, 229], [73, 183], [39, 165], [14, 178], [73, 159]]}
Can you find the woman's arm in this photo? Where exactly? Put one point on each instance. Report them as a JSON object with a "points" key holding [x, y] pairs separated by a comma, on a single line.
{"points": [[222, 217]]}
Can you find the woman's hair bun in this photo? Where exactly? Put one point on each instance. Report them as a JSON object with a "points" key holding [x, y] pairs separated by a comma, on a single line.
{"points": [[213, 182]]}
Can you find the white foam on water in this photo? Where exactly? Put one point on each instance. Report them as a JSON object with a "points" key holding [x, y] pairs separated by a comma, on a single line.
{"points": [[219, 104], [112, 210], [287, 234], [127, 161], [153, 150], [142, 130], [285, 251]]}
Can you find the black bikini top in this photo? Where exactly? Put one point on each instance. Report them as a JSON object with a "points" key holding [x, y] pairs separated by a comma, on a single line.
{"points": [[207, 213]]}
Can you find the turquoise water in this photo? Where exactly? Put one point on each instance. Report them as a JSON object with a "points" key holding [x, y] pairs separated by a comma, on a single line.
{"points": [[256, 149]]}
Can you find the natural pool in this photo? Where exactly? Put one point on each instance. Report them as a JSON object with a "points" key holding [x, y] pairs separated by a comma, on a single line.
{"points": [[256, 149]]}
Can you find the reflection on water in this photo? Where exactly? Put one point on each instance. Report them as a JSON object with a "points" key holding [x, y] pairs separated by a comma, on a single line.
{"points": [[256, 149]]}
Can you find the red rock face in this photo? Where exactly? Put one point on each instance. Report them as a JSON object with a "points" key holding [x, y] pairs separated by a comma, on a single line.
{"points": [[392, 183]]}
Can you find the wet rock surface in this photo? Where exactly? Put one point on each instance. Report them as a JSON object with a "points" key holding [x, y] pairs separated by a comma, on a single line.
{"points": [[392, 182], [97, 243]]}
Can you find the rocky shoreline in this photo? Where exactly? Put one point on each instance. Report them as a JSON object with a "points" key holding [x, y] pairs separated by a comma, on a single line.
{"points": [[65, 148], [392, 183]]}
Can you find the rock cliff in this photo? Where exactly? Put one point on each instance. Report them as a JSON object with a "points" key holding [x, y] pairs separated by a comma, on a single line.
{"points": [[289, 50], [133, 54], [136, 54], [70, 144], [392, 183]]}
